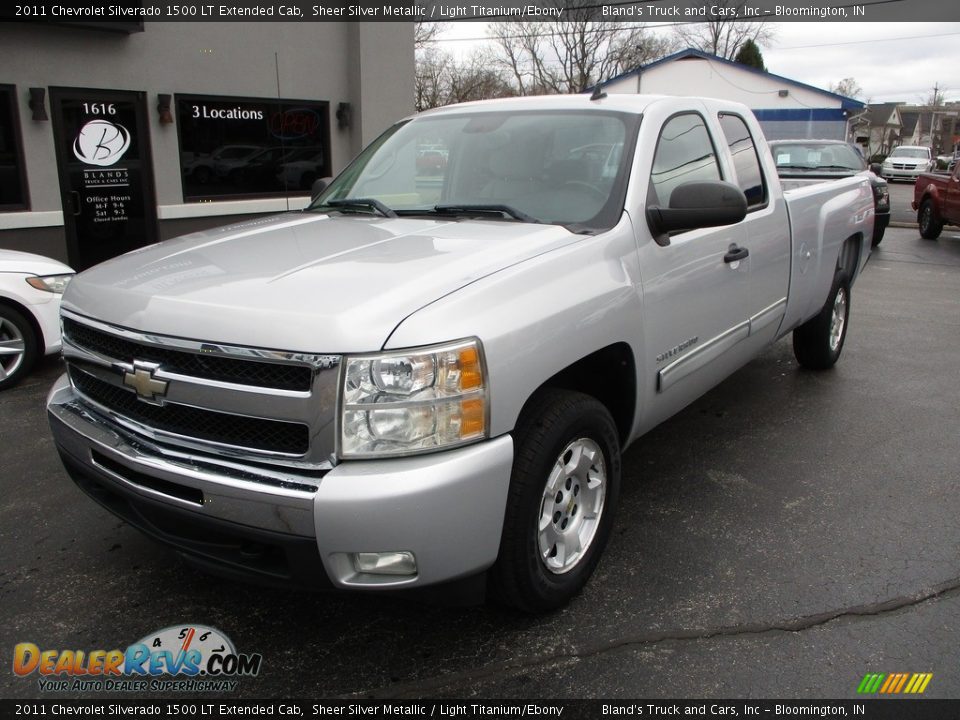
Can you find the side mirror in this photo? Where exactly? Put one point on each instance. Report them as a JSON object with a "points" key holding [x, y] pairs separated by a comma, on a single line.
{"points": [[875, 168], [697, 205], [319, 185]]}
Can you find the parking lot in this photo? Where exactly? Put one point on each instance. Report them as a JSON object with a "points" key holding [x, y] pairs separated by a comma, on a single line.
{"points": [[783, 536]]}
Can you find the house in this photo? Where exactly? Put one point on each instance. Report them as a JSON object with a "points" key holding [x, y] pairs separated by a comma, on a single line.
{"points": [[880, 132], [785, 108], [931, 126]]}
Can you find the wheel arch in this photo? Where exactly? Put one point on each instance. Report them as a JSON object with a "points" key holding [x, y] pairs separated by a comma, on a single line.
{"points": [[610, 376], [848, 260], [34, 325]]}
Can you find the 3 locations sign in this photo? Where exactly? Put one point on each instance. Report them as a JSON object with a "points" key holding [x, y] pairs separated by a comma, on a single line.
{"points": [[238, 147]]}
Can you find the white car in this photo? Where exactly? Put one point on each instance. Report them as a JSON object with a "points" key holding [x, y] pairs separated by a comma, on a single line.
{"points": [[906, 163], [30, 290]]}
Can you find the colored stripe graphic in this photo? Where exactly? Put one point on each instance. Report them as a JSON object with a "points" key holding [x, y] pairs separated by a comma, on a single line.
{"points": [[894, 683]]}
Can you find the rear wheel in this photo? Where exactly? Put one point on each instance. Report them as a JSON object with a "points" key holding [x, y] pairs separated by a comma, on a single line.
{"points": [[930, 225], [817, 343], [563, 493], [18, 346]]}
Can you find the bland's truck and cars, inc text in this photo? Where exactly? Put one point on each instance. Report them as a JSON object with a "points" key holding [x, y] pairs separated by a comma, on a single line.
{"points": [[428, 379]]}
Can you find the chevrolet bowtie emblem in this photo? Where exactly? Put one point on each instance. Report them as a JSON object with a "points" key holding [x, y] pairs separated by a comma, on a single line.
{"points": [[141, 376]]}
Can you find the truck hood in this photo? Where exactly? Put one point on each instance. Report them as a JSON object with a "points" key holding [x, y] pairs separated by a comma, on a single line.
{"points": [[302, 282]]}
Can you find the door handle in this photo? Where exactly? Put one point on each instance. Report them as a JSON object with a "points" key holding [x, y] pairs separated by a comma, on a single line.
{"points": [[735, 253], [75, 205]]}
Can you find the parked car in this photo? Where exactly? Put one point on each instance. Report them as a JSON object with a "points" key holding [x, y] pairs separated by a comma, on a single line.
{"points": [[299, 171], [30, 290], [907, 162], [203, 168], [808, 161], [936, 198], [387, 391]]}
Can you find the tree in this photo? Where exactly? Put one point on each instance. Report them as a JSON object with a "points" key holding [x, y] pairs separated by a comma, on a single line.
{"points": [[749, 54], [723, 37], [936, 96], [848, 87], [425, 33], [571, 56]]}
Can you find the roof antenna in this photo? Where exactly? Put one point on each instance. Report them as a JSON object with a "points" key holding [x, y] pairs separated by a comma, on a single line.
{"points": [[598, 93]]}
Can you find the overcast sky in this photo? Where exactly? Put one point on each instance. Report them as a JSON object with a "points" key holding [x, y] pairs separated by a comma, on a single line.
{"points": [[890, 61]]}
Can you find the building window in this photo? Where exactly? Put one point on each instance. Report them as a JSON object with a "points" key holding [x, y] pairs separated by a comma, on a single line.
{"points": [[13, 185], [746, 161], [239, 147]]}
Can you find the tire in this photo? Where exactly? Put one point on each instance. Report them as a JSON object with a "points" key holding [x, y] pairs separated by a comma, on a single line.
{"points": [[930, 225], [18, 346], [817, 343], [553, 510]]}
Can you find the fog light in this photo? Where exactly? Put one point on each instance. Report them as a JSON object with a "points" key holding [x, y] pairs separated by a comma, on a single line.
{"points": [[386, 563]]}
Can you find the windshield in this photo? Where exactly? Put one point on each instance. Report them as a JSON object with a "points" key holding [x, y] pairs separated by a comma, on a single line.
{"points": [[815, 156], [559, 167], [903, 152]]}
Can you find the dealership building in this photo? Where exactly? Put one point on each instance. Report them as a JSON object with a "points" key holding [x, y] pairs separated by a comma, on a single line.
{"points": [[111, 139]]}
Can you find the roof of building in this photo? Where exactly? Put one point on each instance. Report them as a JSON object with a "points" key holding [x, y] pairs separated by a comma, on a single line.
{"points": [[879, 114], [845, 102]]}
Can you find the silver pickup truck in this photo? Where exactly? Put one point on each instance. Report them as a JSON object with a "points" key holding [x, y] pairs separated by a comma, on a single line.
{"points": [[427, 378]]}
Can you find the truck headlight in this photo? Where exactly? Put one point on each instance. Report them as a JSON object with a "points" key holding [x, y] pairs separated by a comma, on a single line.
{"points": [[413, 401]]}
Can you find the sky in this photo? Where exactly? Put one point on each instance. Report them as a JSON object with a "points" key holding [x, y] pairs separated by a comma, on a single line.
{"points": [[892, 62]]}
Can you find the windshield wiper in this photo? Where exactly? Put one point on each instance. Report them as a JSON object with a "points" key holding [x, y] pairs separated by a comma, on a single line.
{"points": [[484, 209], [360, 202]]}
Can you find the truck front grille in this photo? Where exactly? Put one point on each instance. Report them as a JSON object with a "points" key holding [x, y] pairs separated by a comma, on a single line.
{"points": [[240, 402], [226, 429], [196, 364]]}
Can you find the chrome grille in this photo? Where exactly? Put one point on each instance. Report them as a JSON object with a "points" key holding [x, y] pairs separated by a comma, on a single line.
{"points": [[265, 406], [211, 367], [235, 430]]}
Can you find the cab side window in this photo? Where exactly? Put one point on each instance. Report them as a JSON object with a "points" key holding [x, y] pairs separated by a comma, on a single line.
{"points": [[746, 161], [684, 154]]}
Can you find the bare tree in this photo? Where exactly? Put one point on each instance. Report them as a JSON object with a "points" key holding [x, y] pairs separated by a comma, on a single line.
{"points": [[442, 79], [426, 33], [570, 56], [431, 79], [724, 35], [936, 97], [477, 78], [848, 87]]}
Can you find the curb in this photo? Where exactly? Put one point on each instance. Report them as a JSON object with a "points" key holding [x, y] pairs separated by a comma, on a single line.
{"points": [[898, 224]]}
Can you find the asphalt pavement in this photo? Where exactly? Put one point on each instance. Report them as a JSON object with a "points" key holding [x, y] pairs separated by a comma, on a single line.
{"points": [[781, 537]]}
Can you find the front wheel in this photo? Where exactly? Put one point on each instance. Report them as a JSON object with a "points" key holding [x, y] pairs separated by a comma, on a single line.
{"points": [[930, 224], [817, 343], [563, 494]]}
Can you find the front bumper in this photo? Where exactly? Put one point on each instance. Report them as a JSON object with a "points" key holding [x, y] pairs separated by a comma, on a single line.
{"points": [[902, 174], [288, 528]]}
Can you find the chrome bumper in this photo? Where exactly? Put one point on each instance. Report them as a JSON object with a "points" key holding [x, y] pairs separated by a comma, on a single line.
{"points": [[446, 508]]}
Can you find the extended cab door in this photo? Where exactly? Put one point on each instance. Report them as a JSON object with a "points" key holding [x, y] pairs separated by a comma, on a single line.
{"points": [[766, 226], [696, 287]]}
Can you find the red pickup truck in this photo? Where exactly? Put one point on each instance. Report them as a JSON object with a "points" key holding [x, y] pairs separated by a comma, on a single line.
{"points": [[936, 198]]}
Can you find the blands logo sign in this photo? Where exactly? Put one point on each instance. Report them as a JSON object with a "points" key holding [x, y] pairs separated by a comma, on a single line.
{"points": [[101, 142]]}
